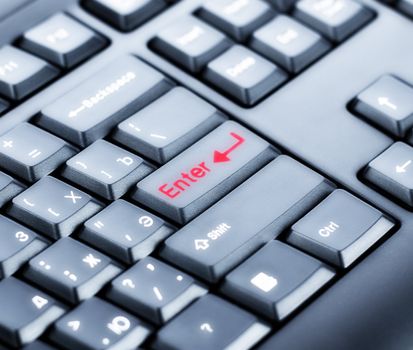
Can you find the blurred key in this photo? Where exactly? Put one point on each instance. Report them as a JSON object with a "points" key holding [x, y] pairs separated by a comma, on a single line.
{"points": [[276, 280], [32, 153], [25, 312], [335, 19], [154, 290], [62, 40], [244, 75], [164, 129], [388, 103], [250, 216], [190, 43], [9, 188], [18, 245], [125, 231], [89, 111], [205, 172], [238, 18], [212, 323], [71, 270], [392, 171], [106, 169], [22, 73], [125, 14], [96, 324], [289, 43], [53, 207]]}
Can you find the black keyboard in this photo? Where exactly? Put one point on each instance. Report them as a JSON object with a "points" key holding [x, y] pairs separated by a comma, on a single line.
{"points": [[218, 174]]}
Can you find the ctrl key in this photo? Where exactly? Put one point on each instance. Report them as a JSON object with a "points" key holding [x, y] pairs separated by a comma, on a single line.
{"points": [[96, 324], [211, 323], [25, 312]]}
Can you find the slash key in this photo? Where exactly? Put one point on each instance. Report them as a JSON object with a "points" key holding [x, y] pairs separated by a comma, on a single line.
{"points": [[204, 173]]}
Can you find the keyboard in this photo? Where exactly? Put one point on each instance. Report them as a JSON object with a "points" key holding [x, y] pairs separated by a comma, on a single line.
{"points": [[218, 174]]}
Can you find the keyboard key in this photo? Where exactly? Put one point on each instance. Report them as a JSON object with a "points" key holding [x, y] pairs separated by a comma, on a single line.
{"points": [[125, 231], [250, 216], [212, 323], [392, 171], [276, 280], [96, 324], [71, 270], [18, 245], [9, 188], [62, 40], [154, 290], [25, 312], [244, 75], [89, 111], [21, 73], [205, 172], [388, 103], [238, 18], [32, 153], [339, 229], [190, 43], [164, 129], [405, 6], [289, 43], [336, 19], [125, 15], [106, 169], [53, 207]]}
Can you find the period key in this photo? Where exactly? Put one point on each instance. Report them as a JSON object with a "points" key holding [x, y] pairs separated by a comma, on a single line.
{"points": [[205, 172]]}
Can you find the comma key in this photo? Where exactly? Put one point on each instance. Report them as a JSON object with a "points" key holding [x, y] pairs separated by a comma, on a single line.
{"points": [[205, 172]]}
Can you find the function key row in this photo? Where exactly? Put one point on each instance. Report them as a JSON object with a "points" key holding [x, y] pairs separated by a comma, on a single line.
{"points": [[283, 45], [58, 43]]}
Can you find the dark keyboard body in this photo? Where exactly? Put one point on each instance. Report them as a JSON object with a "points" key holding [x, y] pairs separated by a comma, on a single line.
{"points": [[310, 118]]}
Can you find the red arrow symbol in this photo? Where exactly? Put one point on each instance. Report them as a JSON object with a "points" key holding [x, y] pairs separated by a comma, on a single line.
{"points": [[220, 157]]}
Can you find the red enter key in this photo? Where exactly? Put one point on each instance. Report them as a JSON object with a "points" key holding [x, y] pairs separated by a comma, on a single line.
{"points": [[205, 172]]}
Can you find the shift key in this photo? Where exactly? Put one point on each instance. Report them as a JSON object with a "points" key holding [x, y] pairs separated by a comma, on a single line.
{"points": [[89, 111], [205, 172]]}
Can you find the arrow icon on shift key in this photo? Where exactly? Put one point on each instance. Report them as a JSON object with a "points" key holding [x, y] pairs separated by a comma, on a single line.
{"points": [[402, 168]]}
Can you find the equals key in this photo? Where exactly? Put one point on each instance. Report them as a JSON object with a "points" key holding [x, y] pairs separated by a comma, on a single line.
{"points": [[205, 172]]}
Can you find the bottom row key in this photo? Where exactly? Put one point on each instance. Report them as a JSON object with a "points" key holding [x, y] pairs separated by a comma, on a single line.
{"points": [[211, 323], [96, 324], [276, 280]]}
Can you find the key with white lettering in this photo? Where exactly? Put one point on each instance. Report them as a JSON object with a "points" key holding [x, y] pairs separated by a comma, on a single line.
{"points": [[125, 231], [125, 15], [339, 229], [211, 323], [18, 245], [388, 103], [71, 270], [392, 171], [164, 129], [250, 216], [190, 43], [205, 172], [53, 207], [244, 75], [9, 188], [62, 40], [25, 312], [106, 169], [22, 73], [154, 290], [96, 324], [335, 19], [238, 18], [276, 280], [289, 43], [31, 153], [89, 111]]}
